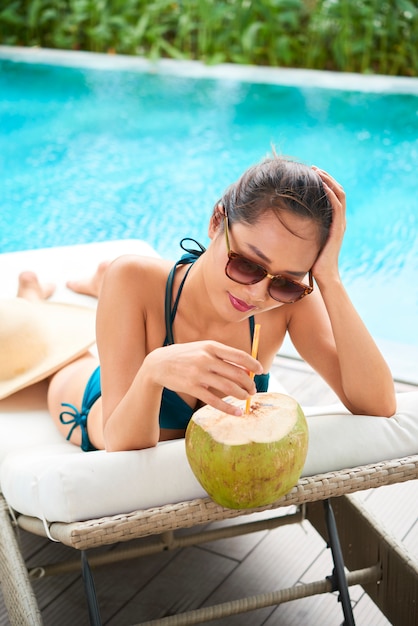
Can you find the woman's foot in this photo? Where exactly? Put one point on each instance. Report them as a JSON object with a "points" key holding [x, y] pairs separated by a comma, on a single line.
{"points": [[90, 286], [30, 288]]}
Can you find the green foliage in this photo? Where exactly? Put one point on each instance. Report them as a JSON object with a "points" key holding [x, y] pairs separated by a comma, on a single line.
{"points": [[365, 36], [379, 36]]}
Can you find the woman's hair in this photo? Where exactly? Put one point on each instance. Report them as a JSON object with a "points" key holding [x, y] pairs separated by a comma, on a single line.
{"points": [[280, 185]]}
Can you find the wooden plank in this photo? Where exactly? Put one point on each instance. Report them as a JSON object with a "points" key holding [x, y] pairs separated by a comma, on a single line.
{"points": [[366, 612], [325, 609], [182, 585], [239, 547], [275, 564], [322, 609], [116, 586]]}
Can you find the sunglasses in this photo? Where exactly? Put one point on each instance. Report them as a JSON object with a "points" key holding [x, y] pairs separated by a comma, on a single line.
{"points": [[246, 272]]}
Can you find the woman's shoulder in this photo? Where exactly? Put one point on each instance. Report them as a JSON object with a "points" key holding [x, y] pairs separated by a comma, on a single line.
{"points": [[135, 282], [131, 267]]}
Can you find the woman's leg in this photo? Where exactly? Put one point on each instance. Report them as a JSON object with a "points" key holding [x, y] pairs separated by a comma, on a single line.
{"points": [[90, 286], [30, 288], [68, 384]]}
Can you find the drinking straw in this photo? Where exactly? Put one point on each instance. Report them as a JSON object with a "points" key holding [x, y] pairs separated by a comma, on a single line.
{"points": [[254, 352]]}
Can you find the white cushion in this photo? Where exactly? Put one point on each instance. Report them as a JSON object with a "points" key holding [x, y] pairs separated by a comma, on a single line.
{"points": [[58, 482], [44, 476], [339, 440]]}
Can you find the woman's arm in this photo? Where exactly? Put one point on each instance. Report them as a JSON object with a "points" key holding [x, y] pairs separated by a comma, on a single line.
{"points": [[135, 368], [129, 411], [330, 335]]}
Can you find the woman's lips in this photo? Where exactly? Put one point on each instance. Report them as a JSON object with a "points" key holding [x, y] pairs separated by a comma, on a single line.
{"points": [[240, 305]]}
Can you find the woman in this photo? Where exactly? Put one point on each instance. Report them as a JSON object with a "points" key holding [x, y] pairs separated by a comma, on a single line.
{"points": [[170, 342]]}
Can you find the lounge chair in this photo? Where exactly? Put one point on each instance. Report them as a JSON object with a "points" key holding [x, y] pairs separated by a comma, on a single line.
{"points": [[84, 501]]}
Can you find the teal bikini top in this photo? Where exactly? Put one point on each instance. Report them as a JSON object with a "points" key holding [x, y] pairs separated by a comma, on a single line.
{"points": [[175, 412]]}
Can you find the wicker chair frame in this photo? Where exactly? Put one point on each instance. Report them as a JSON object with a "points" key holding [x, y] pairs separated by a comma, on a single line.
{"points": [[163, 522]]}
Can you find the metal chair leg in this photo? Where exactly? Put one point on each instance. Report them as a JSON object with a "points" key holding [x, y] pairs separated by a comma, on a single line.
{"points": [[90, 590], [338, 578]]}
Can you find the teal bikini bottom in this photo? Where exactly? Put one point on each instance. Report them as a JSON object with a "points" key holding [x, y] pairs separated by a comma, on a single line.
{"points": [[79, 418]]}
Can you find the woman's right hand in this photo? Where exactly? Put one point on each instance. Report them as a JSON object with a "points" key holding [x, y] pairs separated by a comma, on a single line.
{"points": [[326, 265], [205, 370]]}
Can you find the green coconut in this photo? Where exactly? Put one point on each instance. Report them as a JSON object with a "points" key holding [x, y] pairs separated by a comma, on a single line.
{"points": [[250, 460]]}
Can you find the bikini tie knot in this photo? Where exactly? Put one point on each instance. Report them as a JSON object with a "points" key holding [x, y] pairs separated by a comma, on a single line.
{"points": [[77, 419]]}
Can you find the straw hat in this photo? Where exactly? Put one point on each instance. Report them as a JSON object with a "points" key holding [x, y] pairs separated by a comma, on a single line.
{"points": [[38, 338]]}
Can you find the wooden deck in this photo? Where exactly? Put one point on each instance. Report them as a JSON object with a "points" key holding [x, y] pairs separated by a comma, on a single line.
{"points": [[171, 582]]}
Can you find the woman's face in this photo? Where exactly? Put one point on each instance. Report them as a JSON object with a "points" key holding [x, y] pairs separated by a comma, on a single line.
{"points": [[288, 247]]}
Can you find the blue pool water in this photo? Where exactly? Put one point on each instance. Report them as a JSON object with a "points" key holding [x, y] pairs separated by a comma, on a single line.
{"points": [[96, 154]]}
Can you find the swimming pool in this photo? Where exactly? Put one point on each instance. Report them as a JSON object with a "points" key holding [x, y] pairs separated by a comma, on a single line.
{"points": [[97, 149]]}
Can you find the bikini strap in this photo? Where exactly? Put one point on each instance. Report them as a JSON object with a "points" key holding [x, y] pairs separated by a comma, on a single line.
{"points": [[252, 326], [170, 313]]}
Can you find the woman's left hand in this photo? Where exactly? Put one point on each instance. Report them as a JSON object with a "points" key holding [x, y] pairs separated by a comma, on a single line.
{"points": [[326, 265]]}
